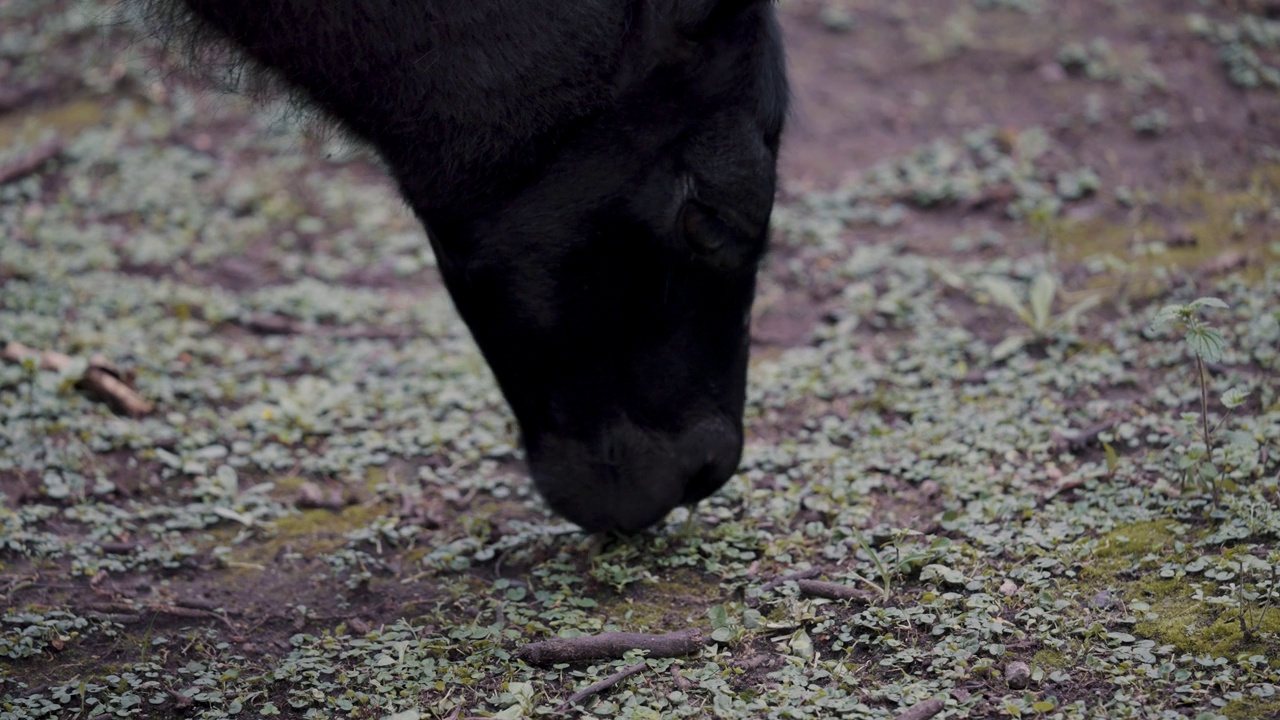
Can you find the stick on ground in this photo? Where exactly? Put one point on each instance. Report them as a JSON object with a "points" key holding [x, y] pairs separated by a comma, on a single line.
{"points": [[832, 591], [1081, 439], [611, 646], [595, 688], [921, 711], [30, 162], [99, 378], [801, 575]]}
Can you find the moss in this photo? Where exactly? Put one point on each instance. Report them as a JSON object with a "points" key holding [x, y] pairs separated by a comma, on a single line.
{"points": [[1248, 708], [1197, 628], [80, 658], [669, 604], [1120, 551], [1193, 627], [1050, 660], [1218, 217], [1138, 539], [412, 557], [311, 531], [68, 119], [287, 486]]}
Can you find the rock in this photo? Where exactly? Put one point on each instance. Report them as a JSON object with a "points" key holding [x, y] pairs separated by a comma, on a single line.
{"points": [[1017, 674]]}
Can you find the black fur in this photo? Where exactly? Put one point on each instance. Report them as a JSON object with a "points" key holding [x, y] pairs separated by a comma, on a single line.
{"points": [[596, 178]]}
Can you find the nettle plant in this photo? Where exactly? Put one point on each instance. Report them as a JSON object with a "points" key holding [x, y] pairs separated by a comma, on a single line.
{"points": [[1204, 460]]}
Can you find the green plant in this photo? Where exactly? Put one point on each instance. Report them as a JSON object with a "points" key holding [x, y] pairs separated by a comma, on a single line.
{"points": [[1205, 344], [1035, 309], [1261, 591], [882, 569]]}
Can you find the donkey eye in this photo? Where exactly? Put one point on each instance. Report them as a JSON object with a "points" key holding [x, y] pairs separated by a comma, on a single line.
{"points": [[706, 234]]}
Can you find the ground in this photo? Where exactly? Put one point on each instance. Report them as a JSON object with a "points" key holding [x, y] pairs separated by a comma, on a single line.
{"points": [[966, 403]]}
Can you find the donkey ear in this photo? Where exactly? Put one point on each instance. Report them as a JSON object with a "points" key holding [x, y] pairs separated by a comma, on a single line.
{"points": [[697, 18]]}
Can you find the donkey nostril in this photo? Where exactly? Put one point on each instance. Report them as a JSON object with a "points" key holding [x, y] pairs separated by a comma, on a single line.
{"points": [[721, 445], [705, 481]]}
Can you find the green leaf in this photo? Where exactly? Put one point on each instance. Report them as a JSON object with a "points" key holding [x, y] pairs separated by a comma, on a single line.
{"points": [[1243, 440], [1043, 289], [942, 573], [1113, 458], [1002, 293], [801, 645], [719, 616], [1235, 397], [722, 635], [1212, 302], [1007, 347], [1206, 343], [1073, 313], [514, 712], [522, 690], [1169, 314]]}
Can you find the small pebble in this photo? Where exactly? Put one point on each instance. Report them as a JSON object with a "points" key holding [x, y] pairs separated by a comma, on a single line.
{"points": [[1105, 600], [1017, 674], [837, 19]]}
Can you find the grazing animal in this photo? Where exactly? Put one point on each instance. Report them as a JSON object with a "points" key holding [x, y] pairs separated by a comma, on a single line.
{"points": [[596, 179]]}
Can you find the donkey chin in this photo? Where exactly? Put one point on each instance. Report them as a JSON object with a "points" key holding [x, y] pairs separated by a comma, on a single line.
{"points": [[628, 478]]}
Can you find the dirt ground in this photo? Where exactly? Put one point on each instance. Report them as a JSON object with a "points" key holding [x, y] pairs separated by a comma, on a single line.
{"points": [[1179, 156]]}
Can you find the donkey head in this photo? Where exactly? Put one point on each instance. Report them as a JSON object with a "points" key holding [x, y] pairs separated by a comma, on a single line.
{"points": [[611, 290]]}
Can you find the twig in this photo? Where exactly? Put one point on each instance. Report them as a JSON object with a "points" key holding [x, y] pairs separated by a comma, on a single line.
{"points": [[13, 98], [922, 711], [755, 661], [801, 575], [31, 161], [36, 689], [596, 688], [120, 618], [1225, 262], [768, 586], [1085, 437], [832, 591], [279, 325], [611, 646], [196, 604], [100, 377], [180, 701], [126, 613]]}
